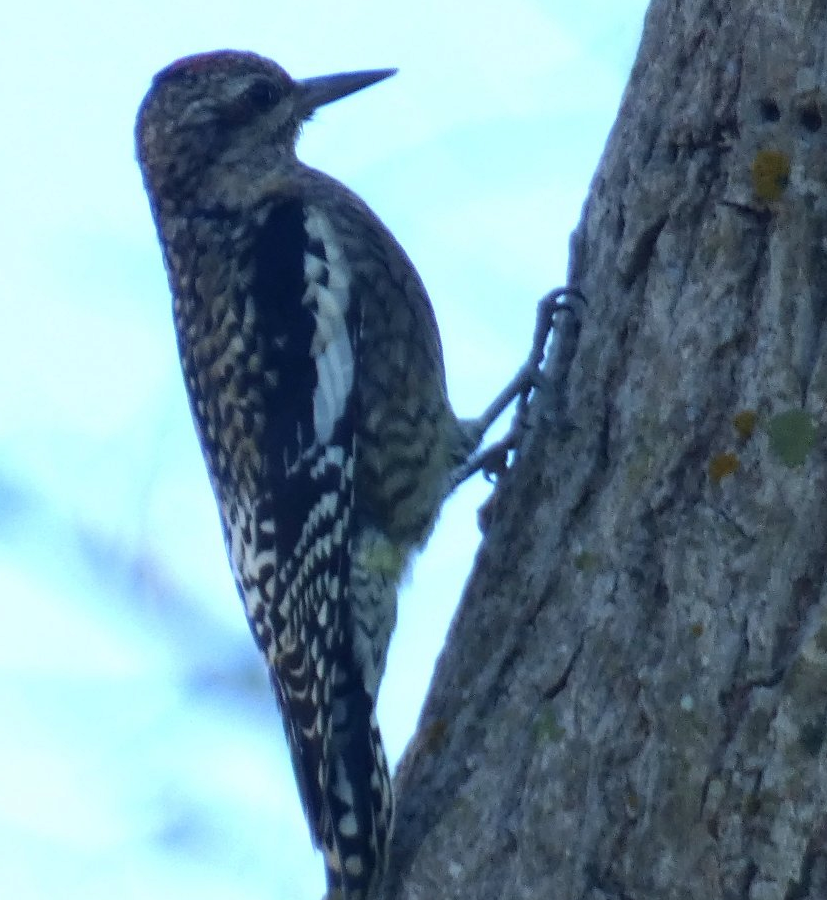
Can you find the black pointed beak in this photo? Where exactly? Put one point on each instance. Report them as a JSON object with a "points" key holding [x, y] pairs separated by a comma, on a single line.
{"points": [[315, 92]]}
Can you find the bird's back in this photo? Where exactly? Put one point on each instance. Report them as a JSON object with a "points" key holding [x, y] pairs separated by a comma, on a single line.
{"points": [[314, 372]]}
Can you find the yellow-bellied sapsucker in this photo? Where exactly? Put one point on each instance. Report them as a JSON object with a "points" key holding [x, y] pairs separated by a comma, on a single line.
{"points": [[314, 371]]}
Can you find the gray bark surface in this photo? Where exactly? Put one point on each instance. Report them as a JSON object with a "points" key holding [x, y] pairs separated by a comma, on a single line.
{"points": [[632, 701]]}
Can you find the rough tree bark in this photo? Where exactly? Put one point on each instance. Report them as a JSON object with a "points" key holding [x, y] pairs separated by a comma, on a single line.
{"points": [[631, 702]]}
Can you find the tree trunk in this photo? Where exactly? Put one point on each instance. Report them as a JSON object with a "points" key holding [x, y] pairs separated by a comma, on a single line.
{"points": [[632, 700]]}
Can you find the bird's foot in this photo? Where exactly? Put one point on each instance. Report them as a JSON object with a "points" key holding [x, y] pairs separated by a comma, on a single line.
{"points": [[492, 461]]}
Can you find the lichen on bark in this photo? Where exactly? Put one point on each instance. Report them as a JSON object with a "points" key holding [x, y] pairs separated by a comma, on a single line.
{"points": [[632, 702]]}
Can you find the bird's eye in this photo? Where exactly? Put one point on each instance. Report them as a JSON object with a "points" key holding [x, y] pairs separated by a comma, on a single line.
{"points": [[262, 95]]}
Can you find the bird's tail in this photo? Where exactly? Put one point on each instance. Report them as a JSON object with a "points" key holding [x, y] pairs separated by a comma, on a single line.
{"points": [[359, 801]]}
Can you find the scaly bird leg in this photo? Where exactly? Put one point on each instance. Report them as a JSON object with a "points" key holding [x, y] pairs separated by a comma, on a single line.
{"points": [[493, 460]]}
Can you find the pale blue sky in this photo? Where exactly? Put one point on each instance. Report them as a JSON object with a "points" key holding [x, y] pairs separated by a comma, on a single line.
{"points": [[132, 762]]}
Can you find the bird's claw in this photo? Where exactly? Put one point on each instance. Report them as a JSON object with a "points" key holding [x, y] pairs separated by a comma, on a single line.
{"points": [[493, 460]]}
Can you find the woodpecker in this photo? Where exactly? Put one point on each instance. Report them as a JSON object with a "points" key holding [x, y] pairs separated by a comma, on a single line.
{"points": [[313, 366]]}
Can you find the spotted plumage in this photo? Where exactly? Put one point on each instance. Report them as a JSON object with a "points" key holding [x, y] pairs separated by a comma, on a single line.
{"points": [[314, 372]]}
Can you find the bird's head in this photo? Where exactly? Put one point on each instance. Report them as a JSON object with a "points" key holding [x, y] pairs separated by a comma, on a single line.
{"points": [[213, 125]]}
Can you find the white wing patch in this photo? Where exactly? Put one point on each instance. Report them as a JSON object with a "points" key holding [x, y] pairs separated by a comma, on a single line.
{"points": [[328, 295]]}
